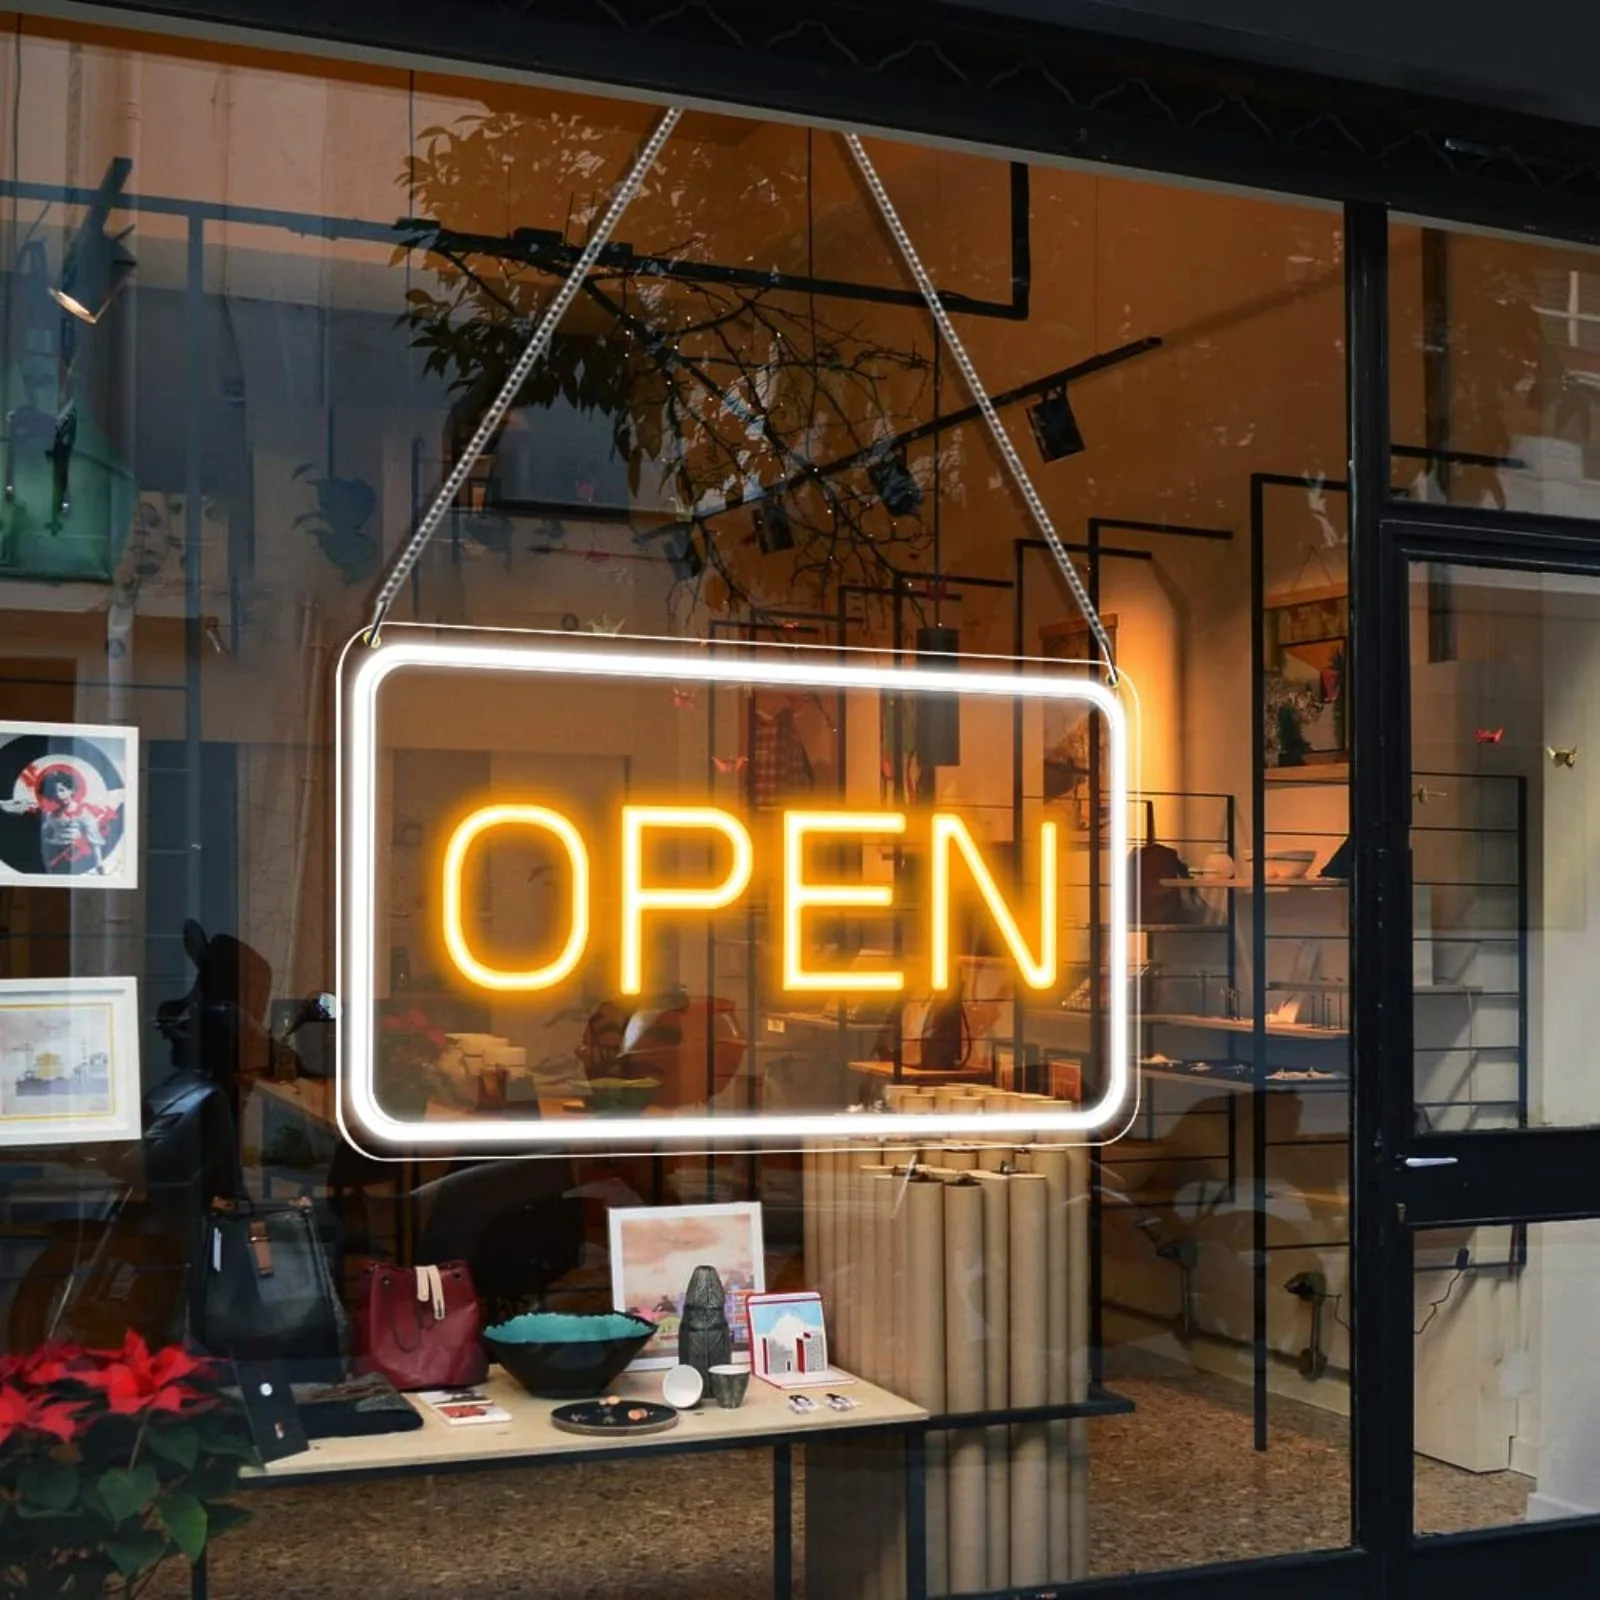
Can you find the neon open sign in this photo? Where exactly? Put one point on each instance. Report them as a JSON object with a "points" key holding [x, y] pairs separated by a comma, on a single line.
{"points": [[783, 860]]}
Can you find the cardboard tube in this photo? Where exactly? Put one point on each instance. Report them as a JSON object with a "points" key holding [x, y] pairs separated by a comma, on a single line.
{"points": [[849, 1247], [1030, 1330], [992, 1157], [1053, 1164], [924, 1332], [809, 1216], [887, 1489], [1080, 1176], [876, 1314], [822, 1276], [997, 1370], [964, 1383]]}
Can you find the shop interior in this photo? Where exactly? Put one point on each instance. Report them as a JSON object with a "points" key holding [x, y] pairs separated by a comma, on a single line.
{"points": [[747, 432]]}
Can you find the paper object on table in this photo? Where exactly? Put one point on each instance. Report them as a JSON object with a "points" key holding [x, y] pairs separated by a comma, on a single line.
{"points": [[789, 1342]]}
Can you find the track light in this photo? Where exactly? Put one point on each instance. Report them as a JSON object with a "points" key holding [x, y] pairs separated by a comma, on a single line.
{"points": [[774, 531], [898, 490], [1054, 427], [96, 261]]}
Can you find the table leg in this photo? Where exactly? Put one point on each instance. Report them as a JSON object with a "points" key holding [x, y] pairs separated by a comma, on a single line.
{"points": [[198, 1588], [916, 1514], [782, 1521]]}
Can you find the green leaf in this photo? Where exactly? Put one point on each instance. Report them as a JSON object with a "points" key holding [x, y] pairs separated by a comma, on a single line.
{"points": [[185, 1519], [135, 1550], [180, 1446], [128, 1491], [49, 1485]]}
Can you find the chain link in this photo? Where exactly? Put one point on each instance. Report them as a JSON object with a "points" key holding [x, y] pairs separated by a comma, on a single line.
{"points": [[536, 347], [981, 398]]}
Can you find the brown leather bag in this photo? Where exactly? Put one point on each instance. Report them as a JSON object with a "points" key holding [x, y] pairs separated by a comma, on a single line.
{"points": [[422, 1327]]}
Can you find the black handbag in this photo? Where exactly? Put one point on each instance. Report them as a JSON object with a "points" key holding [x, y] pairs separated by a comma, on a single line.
{"points": [[267, 1290]]}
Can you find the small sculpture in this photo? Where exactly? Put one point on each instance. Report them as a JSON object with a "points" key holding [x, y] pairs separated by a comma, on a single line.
{"points": [[704, 1340]]}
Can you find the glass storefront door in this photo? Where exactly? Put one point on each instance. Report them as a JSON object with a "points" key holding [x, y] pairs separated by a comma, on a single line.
{"points": [[1496, 1208]]}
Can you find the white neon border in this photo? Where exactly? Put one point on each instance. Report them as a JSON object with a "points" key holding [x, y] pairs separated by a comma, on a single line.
{"points": [[356, 877]]}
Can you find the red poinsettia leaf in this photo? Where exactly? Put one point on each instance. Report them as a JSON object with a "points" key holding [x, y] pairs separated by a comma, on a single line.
{"points": [[173, 1363], [175, 1397], [58, 1419], [124, 1393]]}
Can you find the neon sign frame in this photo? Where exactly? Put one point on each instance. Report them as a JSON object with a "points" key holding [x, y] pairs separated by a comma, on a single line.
{"points": [[362, 672]]}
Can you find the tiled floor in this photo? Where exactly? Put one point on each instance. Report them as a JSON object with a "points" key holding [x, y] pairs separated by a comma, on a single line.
{"points": [[1174, 1484]]}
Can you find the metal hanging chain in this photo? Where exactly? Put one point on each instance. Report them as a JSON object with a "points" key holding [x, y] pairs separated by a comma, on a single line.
{"points": [[980, 396], [537, 345]]}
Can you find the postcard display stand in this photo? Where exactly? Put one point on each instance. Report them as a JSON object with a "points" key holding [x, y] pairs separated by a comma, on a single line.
{"points": [[956, 1275]]}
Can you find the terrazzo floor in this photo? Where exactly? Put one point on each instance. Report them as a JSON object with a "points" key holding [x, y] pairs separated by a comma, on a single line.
{"points": [[1174, 1484]]}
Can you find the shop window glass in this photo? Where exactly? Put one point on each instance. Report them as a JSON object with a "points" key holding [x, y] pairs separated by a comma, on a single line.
{"points": [[746, 432], [1494, 343]]}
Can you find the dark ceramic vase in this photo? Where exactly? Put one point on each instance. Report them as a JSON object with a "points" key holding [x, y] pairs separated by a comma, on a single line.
{"points": [[704, 1341]]}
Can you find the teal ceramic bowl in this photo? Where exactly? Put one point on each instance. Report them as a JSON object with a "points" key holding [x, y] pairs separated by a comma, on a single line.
{"points": [[564, 1356], [608, 1096]]}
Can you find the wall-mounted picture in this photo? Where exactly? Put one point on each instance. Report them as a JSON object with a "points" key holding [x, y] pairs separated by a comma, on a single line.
{"points": [[1307, 633], [1067, 725], [655, 1249], [69, 1061], [69, 805]]}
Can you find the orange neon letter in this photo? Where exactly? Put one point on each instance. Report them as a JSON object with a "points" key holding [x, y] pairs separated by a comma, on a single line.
{"points": [[950, 830], [455, 936], [798, 895], [638, 897]]}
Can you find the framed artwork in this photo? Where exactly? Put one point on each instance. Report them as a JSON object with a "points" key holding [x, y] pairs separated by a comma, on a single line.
{"points": [[654, 1249], [69, 1061], [69, 805], [1306, 637], [1067, 725], [1063, 1077]]}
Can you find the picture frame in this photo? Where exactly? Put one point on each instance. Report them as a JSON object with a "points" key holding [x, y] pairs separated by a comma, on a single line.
{"points": [[654, 1249], [1063, 1076], [69, 805], [1067, 727], [1306, 636], [69, 1061]]}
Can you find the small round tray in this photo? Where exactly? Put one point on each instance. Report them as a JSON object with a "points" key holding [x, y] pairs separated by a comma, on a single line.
{"points": [[600, 1421]]}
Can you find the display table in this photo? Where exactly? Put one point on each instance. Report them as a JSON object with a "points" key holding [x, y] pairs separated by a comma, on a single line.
{"points": [[529, 1439]]}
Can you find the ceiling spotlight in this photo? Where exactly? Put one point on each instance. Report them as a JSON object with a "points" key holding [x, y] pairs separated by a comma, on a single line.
{"points": [[96, 261], [1054, 427], [774, 531], [898, 490]]}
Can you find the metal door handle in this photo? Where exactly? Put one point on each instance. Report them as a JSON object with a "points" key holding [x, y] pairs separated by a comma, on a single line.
{"points": [[1432, 1161]]}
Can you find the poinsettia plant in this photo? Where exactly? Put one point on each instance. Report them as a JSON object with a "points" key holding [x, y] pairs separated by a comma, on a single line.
{"points": [[112, 1462]]}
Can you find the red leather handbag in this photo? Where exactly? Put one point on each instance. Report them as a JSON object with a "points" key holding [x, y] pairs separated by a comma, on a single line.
{"points": [[422, 1327]]}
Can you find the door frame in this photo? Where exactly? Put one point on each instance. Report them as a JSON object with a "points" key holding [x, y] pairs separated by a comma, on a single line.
{"points": [[1505, 1176]]}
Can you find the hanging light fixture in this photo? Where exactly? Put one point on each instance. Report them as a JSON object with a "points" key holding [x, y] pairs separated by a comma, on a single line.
{"points": [[1055, 429], [97, 261], [898, 490], [774, 530]]}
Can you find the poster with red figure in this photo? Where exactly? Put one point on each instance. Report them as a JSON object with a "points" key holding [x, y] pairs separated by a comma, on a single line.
{"points": [[69, 814]]}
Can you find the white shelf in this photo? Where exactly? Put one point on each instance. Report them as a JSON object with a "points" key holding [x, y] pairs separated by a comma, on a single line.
{"points": [[1275, 1030]]}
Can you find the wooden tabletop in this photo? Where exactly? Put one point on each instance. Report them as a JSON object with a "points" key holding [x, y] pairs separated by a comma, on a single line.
{"points": [[764, 1416]]}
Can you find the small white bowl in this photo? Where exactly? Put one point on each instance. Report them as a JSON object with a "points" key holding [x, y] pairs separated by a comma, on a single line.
{"points": [[1286, 865], [683, 1387]]}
